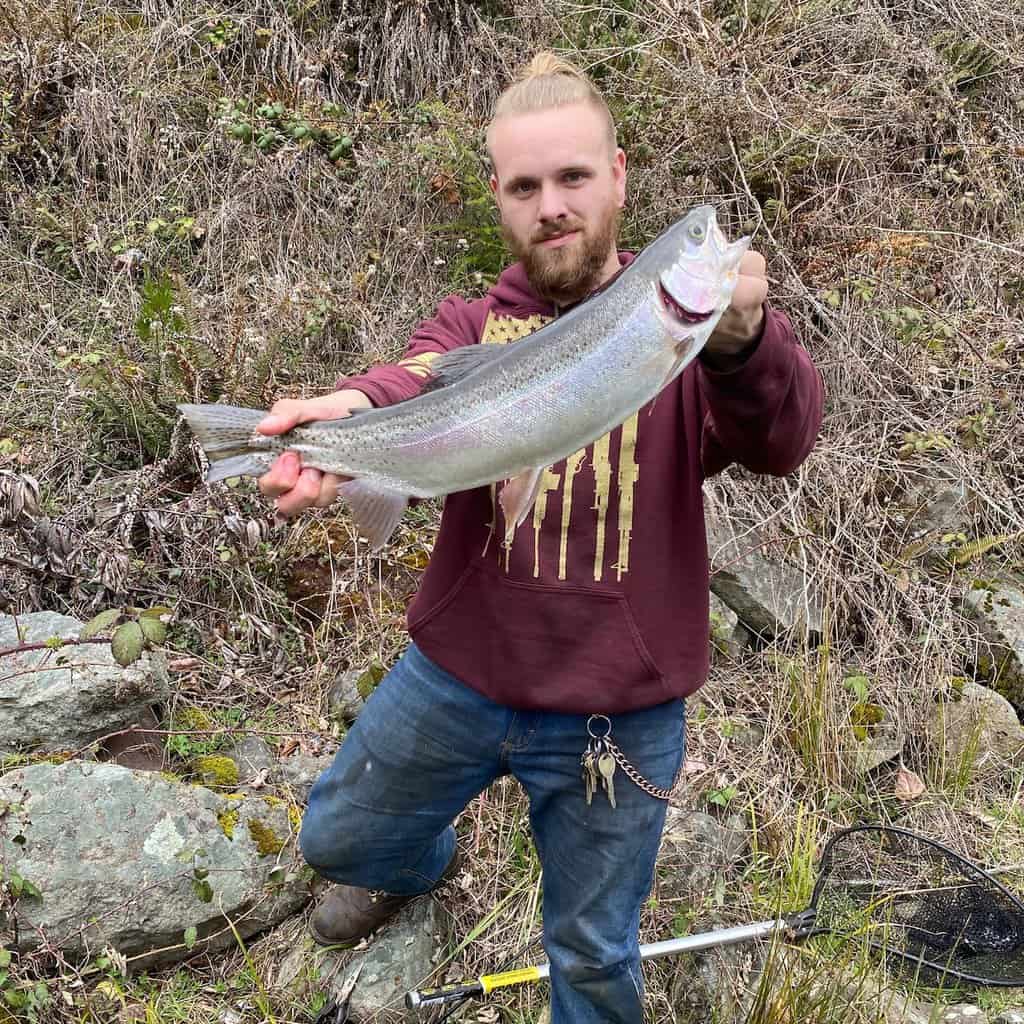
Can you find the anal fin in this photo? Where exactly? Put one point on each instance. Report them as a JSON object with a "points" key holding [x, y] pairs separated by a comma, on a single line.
{"points": [[517, 498], [376, 510]]}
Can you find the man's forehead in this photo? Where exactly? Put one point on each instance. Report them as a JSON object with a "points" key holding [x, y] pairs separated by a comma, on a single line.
{"points": [[547, 141]]}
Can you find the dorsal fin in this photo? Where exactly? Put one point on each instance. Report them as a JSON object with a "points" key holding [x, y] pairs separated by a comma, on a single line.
{"points": [[453, 366]]}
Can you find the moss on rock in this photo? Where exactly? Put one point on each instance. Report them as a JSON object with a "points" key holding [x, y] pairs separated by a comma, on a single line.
{"points": [[217, 770], [267, 841], [228, 820]]}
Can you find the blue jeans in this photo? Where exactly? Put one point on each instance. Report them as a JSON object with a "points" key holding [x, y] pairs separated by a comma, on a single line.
{"points": [[425, 744]]}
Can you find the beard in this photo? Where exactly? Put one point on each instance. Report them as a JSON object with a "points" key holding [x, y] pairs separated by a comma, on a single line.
{"points": [[569, 273]]}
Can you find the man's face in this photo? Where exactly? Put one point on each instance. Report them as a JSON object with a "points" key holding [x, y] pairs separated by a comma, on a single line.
{"points": [[560, 190]]}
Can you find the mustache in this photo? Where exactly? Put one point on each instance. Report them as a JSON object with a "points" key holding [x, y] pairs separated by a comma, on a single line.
{"points": [[563, 229]]}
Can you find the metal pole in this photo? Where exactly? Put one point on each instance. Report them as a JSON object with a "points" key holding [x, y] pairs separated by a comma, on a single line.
{"points": [[419, 998]]}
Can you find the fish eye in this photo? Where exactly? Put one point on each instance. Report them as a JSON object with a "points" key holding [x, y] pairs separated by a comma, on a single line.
{"points": [[696, 232]]}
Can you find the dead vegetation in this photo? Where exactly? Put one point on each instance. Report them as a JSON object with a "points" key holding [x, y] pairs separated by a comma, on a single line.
{"points": [[250, 201]]}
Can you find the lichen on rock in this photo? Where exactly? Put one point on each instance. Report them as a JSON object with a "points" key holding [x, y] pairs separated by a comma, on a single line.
{"points": [[217, 770], [267, 841], [227, 821]]}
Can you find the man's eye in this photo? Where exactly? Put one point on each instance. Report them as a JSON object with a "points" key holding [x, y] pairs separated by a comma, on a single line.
{"points": [[523, 187], [575, 176]]}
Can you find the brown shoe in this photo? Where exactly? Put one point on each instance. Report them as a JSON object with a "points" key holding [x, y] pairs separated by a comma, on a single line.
{"points": [[347, 914]]}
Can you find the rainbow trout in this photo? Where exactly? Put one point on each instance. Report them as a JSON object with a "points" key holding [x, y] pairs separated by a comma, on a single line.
{"points": [[496, 413]]}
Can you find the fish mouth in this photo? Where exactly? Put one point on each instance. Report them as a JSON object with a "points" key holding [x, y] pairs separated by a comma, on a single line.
{"points": [[678, 310]]}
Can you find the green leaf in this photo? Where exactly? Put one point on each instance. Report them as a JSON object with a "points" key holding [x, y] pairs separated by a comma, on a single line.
{"points": [[158, 611], [190, 936], [153, 630], [5, 957], [100, 623], [368, 681], [858, 686], [203, 890], [126, 644]]}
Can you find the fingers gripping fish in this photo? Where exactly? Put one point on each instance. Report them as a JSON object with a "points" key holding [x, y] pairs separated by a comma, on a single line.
{"points": [[507, 412]]}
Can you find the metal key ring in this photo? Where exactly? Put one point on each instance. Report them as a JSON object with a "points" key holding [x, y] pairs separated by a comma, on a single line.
{"points": [[606, 733]]}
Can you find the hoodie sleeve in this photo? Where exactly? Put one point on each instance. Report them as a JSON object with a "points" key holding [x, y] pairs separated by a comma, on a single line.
{"points": [[766, 413], [455, 323]]}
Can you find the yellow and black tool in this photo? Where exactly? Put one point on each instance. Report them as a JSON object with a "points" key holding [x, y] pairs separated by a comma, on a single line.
{"points": [[911, 898]]}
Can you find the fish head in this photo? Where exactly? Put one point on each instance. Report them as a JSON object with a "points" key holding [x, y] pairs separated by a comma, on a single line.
{"points": [[694, 269]]}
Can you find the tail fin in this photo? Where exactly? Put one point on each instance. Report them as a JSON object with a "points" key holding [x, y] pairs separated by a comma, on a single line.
{"points": [[228, 436]]}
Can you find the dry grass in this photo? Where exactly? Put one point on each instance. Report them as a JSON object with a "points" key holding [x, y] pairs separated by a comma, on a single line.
{"points": [[877, 150]]}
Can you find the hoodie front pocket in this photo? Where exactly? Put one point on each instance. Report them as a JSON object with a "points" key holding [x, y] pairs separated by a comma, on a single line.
{"points": [[529, 645]]}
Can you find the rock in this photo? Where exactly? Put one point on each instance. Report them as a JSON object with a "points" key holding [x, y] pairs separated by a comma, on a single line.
{"points": [[344, 701], [399, 959], [882, 744], [728, 637], [980, 724], [114, 854], [769, 597], [1010, 1016], [935, 501], [64, 699], [959, 1013], [255, 760], [1000, 614], [714, 985], [299, 771], [741, 732], [698, 853]]}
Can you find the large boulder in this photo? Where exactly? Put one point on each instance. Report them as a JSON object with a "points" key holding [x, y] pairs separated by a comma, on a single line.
{"points": [[64, 698], [974, 725], [134, 860], [699, 854], [999, 611], [768, 595], [400, 959]]}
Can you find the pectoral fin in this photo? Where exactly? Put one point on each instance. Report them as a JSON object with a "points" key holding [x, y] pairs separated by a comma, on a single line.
{"points": [[459, 363], [517, 498], [375, 510], [686, 351]]}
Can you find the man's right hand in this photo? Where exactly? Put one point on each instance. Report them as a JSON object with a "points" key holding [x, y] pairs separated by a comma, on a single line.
{"points": [[293, 487]]}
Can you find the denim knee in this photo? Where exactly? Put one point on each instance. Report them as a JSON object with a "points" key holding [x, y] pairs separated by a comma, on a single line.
{"points": [[327, 849]]}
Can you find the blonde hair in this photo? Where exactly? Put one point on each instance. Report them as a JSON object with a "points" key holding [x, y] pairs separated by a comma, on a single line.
{"points": [[548, 82]]}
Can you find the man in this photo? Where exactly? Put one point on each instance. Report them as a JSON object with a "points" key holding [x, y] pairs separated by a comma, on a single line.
{"points": [[593, 620]]}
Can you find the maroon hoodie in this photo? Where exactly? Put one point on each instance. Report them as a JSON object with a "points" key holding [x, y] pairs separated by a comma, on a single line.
{"points": [[600, 604]]}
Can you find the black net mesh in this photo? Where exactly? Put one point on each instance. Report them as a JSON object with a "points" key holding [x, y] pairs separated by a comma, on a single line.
{"points": [[922, 904]]}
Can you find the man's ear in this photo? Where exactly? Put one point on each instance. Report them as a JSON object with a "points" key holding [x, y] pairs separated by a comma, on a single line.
{"points": [[495, 191], [619, 174]]}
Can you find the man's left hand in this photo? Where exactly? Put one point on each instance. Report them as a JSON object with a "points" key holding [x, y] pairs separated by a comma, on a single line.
{"points": [[741, 323]]}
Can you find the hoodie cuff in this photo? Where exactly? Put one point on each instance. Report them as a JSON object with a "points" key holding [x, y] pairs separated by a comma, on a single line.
{"points": [[373, 391], [726, 364]]}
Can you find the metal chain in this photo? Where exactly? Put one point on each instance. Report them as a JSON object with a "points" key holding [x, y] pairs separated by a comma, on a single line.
{"points": [[648, 787]]}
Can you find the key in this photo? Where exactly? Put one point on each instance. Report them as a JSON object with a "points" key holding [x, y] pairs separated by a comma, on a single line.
{"points": [[589, 775], [606, 766]]}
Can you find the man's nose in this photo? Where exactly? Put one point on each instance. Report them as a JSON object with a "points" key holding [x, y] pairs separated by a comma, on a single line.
{"points": [[552, 203]]}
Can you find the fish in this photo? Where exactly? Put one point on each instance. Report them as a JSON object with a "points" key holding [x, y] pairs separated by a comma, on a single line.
{"points": [[502, 414]]}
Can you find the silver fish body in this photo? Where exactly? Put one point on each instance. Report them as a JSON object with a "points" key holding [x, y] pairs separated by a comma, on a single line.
{"points": [[505, 413]]}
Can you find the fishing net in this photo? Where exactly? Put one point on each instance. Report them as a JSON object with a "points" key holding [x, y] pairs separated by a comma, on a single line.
{"points": [[920, 903]]}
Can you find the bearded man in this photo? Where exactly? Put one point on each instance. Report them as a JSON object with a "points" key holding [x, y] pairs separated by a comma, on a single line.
{"points": [[593, 621]]}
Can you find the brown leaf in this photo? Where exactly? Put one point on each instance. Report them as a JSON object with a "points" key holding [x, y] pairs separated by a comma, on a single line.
{"points": [[908, 786]]}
